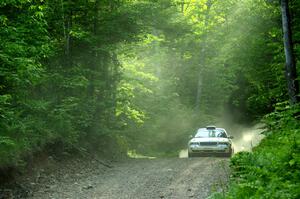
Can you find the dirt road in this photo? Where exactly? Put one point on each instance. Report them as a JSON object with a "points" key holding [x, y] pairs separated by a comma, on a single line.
{"points": [[136, 178]]}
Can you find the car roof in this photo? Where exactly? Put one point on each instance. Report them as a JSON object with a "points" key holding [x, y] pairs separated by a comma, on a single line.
{"points": [[200, 129]]}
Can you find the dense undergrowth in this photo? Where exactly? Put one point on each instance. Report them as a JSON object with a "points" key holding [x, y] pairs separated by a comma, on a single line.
{"points": [[272, 169]]}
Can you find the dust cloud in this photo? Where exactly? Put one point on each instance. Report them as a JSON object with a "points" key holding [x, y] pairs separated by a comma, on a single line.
{"points": [[245, 138]]}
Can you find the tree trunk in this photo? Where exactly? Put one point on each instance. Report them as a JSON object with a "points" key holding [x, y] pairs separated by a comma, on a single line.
{"points": [[202, 57], [63, 20], [182, 6], [290, 64]]}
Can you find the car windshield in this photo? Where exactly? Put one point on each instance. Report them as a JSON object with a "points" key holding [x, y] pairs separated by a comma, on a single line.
{"points": [[208, 133]]}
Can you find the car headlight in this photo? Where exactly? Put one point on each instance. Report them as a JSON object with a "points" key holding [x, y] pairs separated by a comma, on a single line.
{"points": [[194, 143]]}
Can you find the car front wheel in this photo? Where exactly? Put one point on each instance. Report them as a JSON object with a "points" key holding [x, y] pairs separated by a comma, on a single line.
{"points": [[229, 154], [190, 155]]}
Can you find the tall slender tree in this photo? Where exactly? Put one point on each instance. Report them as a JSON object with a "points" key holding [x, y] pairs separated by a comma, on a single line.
{"points": [[290, 65]]}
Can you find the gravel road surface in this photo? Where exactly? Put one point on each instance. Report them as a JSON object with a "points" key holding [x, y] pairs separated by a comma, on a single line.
{"points": [[134, 179]]}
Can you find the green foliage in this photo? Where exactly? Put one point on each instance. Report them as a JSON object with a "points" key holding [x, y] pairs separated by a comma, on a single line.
{"points": [[24, 43], [79, 73], [60, 77], [74, 72], [272, 170]]}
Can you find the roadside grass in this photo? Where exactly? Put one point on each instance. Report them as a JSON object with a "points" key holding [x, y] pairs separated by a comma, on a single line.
{"points": [[272, 169]]}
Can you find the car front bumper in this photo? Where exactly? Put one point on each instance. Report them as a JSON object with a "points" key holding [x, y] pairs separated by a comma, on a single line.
{"points": [[210, 149]]}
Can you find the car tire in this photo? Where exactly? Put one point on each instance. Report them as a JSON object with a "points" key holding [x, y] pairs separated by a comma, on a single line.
{"points": [[229, 154], [191, 155]]}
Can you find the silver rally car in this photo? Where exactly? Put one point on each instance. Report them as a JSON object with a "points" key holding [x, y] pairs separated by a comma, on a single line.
{"points": [[210, 141]]}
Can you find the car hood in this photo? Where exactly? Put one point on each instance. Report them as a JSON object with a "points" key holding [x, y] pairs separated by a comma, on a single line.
{"points": [[209, 140]]}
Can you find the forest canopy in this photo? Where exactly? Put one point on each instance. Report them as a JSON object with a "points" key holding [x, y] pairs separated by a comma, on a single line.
{"points": [[141, 74]]}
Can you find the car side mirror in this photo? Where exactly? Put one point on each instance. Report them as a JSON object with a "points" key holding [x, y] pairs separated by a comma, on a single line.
{"points": [[191, 136], [230, 137]]}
